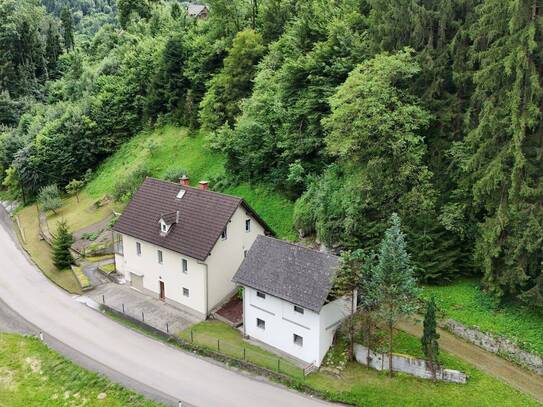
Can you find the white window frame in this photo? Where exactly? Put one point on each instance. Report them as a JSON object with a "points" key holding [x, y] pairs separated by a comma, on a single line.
{"points": [[298, 309], [298, 342], [184, 266], [261, 324], [138, 248], [160, 256], [247, 225], [261, 295], [186, 292], [224, 234]]}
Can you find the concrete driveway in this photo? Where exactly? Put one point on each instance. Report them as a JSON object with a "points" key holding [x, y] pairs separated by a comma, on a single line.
{"points": [[126, 356], [155, 312]]}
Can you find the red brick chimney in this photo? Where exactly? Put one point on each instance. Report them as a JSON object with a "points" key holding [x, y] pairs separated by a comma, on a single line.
{"points": [[204, 185], [185, 181]]}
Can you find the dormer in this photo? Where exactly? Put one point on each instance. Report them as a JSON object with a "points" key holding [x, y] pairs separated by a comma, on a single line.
{"points": [[167, 221]]}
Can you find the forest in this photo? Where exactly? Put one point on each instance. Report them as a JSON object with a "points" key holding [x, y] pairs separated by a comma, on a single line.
{"points": [[353, 109]]}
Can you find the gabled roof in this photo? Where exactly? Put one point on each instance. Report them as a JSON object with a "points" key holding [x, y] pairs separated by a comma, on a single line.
{"points": [[169, 218], [296, 274], [203, 215], [194, 10]]}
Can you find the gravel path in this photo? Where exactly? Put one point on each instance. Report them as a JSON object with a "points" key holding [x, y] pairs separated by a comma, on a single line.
{"points": [[520, 378]]}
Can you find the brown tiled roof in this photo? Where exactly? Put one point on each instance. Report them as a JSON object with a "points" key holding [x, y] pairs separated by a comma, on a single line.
{"points": [[203, 216]]}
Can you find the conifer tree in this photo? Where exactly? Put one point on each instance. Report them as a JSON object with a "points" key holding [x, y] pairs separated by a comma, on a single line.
{"points": [[67, 28], [501, 155], [62, 242], [429, 340], [396, 282], [53, 49]]}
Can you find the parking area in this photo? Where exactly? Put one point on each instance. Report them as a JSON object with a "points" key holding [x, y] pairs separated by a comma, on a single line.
{"points": [[152, 311]]}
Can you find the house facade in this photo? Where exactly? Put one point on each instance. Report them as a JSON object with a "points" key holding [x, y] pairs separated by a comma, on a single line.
{"points": [[184, 244], [286, 298]]}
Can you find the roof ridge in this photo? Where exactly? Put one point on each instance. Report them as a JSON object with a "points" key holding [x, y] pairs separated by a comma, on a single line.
{"points": [[195, 188], [287, 242]]}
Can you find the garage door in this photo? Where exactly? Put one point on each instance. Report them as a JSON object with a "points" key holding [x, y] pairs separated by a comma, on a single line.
{"points": [[136, 281]]}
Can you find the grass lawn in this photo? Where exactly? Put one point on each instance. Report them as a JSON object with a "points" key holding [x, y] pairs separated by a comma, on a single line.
{"points": [[361, 386], [41, 252], [33, 375], [464, 302], [81, 277], [108, 268], [206, 334]]}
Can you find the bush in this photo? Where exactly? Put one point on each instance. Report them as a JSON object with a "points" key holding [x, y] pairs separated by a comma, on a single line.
{"points": [[175, 174], [49, 198], [126, 187]]}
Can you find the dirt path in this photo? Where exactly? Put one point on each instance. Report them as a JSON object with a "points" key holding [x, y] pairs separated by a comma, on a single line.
{"points": [[523, 380]]}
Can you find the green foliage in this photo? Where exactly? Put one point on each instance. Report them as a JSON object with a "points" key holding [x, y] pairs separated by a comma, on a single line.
{"points": [[49, 198], [62, 241], [67, 28], [429, 340], [394, 276], [126, 186], [175, 174], [74, 187], [233, 83]]}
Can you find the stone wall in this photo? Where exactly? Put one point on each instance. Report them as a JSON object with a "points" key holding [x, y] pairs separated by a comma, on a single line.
{"points": [[497, 345], [406, 364]]}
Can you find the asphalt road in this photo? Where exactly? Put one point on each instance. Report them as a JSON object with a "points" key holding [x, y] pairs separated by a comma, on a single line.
{"points": [[96, 342]]}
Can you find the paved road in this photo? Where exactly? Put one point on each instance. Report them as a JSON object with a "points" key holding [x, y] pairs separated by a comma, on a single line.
{"points": [[125, 355]]}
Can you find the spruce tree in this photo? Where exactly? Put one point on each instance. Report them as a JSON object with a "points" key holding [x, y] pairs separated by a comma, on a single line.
{"points": [[67, 28], [501, 155], [62, 241], [53, 50], [394, 275], [429, 340]]}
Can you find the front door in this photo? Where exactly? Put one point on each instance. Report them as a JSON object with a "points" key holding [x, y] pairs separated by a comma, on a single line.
{"points": [[162, 291]]}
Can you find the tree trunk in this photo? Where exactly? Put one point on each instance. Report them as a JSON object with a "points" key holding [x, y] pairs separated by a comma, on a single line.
{"points": [[351, 330], [390, 336]]}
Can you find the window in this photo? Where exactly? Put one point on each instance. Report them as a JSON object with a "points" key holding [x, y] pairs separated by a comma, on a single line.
{"points": [[118, 243], [159, 253], [247, 225], [245, 253], [261, 295], [260, 323], [164, 228], [184, 266], [224, 233], [298, 309], [138, 248], [185, 292], [298, 340]]}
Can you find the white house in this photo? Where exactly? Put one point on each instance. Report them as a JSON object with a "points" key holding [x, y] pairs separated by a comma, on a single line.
{"points": [[184, 244], [286, 298]]}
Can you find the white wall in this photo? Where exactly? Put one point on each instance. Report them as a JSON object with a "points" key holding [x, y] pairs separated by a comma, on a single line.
{"points": [[227, 255], [282, 322], [170, 272]]}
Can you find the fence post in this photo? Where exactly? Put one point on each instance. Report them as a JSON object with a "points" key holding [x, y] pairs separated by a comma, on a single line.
{"points": [[103, 299], [279, 365], [244, 358], [218, 345], [142, 317], [191, 337], [123, 308], [167, 328]]}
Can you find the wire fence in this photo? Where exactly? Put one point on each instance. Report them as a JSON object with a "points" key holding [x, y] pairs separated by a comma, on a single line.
{"points": [[247, 354]]}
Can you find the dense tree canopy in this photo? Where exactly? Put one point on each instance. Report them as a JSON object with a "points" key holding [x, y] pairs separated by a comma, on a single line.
{"points": [[355, 109]]}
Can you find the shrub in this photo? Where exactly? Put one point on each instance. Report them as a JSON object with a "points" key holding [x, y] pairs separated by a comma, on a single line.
{"points": [[175, 174], [49, 198], [126, 187]]}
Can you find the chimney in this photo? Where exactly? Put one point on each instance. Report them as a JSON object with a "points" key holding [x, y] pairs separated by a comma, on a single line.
{"points": [[185, 181], [204, 185]]}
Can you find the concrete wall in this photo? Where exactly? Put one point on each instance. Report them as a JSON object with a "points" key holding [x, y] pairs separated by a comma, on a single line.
{"points": [[412, 366], [282, 322], [170, 272], [227, 255]]}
